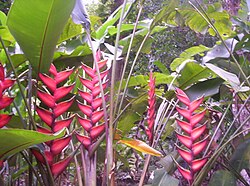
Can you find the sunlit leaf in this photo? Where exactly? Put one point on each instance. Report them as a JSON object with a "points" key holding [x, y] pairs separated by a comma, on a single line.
{"points": [[14, 140], [36, 26], [140, 146]]}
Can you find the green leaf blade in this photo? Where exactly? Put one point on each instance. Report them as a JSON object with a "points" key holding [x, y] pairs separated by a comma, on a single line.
{"points": [[15, 140], [38, 29]]}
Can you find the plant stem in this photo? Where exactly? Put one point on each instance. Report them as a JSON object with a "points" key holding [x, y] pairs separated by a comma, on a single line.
{"points": [[78, 169], [127, 57], [145, 168], [235, 118], [32, 169], [216, 130]]}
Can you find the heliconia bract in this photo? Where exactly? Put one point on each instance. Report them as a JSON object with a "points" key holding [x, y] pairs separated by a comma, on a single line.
{"points": [[50, 116], [193, 137], [151, 108], [92, 109], [5, 100]]}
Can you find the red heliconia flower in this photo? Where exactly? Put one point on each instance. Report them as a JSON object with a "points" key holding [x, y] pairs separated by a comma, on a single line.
{"points": [[151, 107], [55, 108], [93, 108], [193, 137], [5, 100]]}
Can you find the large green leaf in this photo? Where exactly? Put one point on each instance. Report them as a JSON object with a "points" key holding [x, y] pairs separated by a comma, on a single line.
{"points": [[14, 140], [222, 178], [205, 88], [231, 78], [188, 55], [193, 73], [36, 26]]}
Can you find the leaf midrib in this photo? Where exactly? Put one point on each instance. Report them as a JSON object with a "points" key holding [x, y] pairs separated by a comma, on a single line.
{"points": [[44, 36]]}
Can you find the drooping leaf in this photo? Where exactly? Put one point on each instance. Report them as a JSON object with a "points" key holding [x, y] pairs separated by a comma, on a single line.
{"points": [[205, 88], [140, 146], [80, 14], [38, 28], [222, 178], [14, 140], [231, 78]]}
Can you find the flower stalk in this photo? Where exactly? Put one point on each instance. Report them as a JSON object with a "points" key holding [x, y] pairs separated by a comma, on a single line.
{"points": [[193, 137], [51, 98]]}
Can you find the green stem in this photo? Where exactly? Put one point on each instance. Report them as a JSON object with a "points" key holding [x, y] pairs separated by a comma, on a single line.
{"points": [[216, 130], [132, 67], [127, 57], [19, 84], [231, 125]]}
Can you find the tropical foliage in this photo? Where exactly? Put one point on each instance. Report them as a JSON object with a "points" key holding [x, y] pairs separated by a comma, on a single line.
{"points": [[89, 100]]}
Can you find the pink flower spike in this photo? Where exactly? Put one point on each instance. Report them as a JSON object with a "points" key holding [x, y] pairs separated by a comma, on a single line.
{"points": [[46, 98], [192, 139], [58, 145], [97, 116], [198, 164], [61, 76], [59, 167], [62, 107], [4, 119], [185, 173], [180, 94], [45, 115], [5, 101], [63, 91], [7, 83], [48, 81], [85, 140], [53, 70], [96, 131], [59, 125], [85, 123]]}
